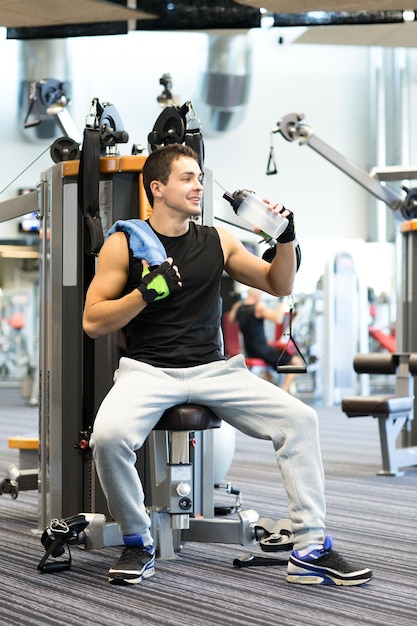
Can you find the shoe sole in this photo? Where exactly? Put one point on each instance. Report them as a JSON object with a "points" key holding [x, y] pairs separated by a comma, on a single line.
{"points": [[120, 579], [310, 579]]}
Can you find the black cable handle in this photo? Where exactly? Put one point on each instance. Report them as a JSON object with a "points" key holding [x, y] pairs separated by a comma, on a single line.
{"points": [[291, 369]]}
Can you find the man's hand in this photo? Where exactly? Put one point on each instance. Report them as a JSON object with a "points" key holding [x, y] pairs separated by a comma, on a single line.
{"points": [[289, 232], [279, 209], [160, 281]]}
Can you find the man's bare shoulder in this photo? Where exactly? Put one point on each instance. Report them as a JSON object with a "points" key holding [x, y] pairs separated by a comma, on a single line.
{"points": [[115, 249], [116, 241]]}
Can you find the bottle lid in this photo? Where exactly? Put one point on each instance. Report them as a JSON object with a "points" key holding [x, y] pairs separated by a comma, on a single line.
{"points": [[237, 197]]}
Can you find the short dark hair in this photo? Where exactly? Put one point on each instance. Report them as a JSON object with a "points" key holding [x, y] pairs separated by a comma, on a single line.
{"points": [[159, 163]]}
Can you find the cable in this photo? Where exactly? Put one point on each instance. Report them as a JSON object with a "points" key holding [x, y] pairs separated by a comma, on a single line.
{"points": [[26, 168], [291, 369], [217, 183]]}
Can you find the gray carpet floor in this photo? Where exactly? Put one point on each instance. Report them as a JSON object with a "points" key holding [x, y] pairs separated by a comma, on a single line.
{"points": [[373, 521]]}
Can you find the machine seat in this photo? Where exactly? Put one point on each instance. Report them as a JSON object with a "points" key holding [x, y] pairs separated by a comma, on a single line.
{"points": [[377, 406], [188, 417]]}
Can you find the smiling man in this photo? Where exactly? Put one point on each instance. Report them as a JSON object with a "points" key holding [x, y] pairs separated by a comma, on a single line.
{"points": [[170, 314]]}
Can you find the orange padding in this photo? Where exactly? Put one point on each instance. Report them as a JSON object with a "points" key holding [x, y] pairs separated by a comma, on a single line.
{"points": [[109, 165], [24, 443]]}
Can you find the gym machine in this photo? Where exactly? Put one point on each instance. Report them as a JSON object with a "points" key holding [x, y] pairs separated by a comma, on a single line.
{"points": [[179, 484], [292, 127], [77, 201]]}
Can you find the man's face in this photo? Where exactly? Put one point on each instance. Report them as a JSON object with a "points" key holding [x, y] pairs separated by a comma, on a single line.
{"points": [[184, 189]]}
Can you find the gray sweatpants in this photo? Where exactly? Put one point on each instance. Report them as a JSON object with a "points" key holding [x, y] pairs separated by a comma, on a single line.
{"points": [[140, 395]]}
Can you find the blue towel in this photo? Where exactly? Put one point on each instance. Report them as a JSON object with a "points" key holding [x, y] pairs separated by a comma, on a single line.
{"points": [[143, 241]]}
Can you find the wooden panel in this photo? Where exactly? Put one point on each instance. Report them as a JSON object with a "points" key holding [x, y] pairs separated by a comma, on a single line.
{"points": [[24, 443], [24, 13]]}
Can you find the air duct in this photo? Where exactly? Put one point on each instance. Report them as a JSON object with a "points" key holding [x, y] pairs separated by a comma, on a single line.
{"points": [[225, 83]]}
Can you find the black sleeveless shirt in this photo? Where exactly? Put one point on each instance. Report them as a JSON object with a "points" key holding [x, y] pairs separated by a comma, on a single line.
{"points": [[183, 329], [252, 328]]}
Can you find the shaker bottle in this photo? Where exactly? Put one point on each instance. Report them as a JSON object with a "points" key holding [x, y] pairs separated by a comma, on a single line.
{"points": [[251, 207]]}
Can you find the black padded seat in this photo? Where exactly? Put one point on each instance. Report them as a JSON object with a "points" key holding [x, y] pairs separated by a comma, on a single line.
{"points": [[392, 412], [379, 406], [376, 363], [188, 417], [412, 363]]}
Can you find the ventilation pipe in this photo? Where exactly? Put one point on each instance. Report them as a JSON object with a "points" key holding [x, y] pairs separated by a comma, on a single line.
{"points": [[38, 60], [225, 83]]}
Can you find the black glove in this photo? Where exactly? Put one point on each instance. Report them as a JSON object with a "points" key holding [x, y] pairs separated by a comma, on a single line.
{"points": [[289, 232], [269, 254], [158, 282]]}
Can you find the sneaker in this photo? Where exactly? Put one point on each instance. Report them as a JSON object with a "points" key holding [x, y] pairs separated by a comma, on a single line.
{"points": [[325, 567], [134, 564]]}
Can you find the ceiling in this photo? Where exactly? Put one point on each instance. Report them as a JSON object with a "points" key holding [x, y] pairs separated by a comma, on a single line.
{"points": [[57, 18], [360, 22], [25, 13], [385, 35], [346, 22]]}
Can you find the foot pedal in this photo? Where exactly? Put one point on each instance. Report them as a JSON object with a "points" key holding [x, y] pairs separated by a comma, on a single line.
{"points": [[250, 560], [274, 536]]}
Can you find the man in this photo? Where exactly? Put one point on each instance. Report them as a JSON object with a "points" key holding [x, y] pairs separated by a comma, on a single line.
{"points": [[250, 315], [171, 318]]}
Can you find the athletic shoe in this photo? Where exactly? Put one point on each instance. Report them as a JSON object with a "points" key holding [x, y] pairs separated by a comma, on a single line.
{"points": [[325, 567], [135, 563]]}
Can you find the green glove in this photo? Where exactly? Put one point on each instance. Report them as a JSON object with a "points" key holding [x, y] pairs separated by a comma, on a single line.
{"points": [[159, 282]]}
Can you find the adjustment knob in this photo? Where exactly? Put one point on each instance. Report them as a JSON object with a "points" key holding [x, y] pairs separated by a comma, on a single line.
{"points": [[183, 489], [185, 504]]}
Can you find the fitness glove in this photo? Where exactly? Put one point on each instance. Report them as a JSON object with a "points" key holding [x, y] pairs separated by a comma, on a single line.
{"points": [[159, 282], [289, 232]]}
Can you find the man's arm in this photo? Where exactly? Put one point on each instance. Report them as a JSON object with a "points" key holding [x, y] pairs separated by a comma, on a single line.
{"points": [[276, 278], [105, 309], [272, 315]]}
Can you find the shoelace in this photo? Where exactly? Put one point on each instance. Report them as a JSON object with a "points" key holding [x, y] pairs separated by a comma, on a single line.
{"points": [[127, 553]]}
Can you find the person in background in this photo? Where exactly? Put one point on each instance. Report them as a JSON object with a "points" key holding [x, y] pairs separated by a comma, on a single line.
{"points": [[250, 315]]}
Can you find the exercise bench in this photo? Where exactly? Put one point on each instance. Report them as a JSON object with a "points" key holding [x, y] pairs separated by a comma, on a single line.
{"points": [[25, 476], [393, 412]]}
